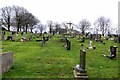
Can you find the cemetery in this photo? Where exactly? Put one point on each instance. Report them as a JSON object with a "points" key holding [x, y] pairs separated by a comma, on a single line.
{"points": [[62, 47], [58, 57]]}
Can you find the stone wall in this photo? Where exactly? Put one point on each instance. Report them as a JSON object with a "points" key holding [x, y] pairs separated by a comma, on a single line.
{"points": [[6, 61]]}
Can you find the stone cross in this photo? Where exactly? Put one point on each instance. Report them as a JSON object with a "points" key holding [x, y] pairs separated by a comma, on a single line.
{"points": [[70, 24]]}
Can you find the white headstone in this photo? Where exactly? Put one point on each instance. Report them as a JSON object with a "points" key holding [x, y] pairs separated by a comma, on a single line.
{"points": [[90, 45]]}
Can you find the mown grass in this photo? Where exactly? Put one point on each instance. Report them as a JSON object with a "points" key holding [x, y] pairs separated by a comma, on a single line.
{"points": [[54, 61]]}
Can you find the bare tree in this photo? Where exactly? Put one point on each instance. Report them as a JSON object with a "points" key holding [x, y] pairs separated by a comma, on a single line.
{"points": [[41, 27], [50, 25], [29, 21], [19, 13], [57, 26], [83, 25], [65, 26], [103, 24], [32, 22], [6, 14]]}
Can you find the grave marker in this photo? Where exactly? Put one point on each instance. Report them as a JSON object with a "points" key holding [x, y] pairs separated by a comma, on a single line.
{"points": [[90, 45], [112, 52], [43, 42], [79, 70]]}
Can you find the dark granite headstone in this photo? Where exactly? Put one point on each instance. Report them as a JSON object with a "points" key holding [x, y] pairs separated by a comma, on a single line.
{"points": [[47, 38], [83, 39], [112, 52], [68, 45], [3, 37], [9, 37], [79, 70], [43, 41]]}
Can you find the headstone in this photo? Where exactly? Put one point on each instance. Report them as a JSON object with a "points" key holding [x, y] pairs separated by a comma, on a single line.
{"points": [[68, 45], [31, 35], [9, 37], [79, 70], [47, 38], [90, 45], [83, 39], [3, 37], [7, 61], [112, 52], [43, 42], [24, 36], [97, 37], [4, 33], [22, 33]]}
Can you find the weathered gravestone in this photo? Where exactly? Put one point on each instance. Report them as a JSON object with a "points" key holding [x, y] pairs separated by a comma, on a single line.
{"points": [[68, 44], [112, 52], [97, 37], [90, 45], [79, 70], [3, 35], [43, 42], [82, 40], [31, 35], [47, 38], [6, 61], [9, 38]]}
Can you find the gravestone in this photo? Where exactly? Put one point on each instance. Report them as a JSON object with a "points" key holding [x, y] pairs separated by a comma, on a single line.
{"points": [[22, 33], [68, 45], [97, 37], [6, 59], [31, 35], [90, 45], [3, 37], [112, 52], [82, 40], [43, 42], [13, 36], [47, 38], [9, 38], [79, 70]]}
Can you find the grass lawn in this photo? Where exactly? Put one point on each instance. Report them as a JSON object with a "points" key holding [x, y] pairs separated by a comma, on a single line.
{"points": [[54, 61]]}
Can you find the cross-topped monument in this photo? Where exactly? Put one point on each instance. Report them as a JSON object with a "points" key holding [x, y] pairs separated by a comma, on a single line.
{"points": [[70, 24]]}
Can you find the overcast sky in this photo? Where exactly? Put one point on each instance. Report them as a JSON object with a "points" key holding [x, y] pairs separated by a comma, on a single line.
{"points": [[68, 10]]}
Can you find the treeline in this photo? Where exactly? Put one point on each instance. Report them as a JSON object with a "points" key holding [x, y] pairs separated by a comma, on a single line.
{"points": [[22, 19], [18, 17]]}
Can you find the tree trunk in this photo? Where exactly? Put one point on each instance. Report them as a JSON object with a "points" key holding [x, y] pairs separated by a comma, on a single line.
{"points": [[8, 23], [18, 28], [31, 30]]}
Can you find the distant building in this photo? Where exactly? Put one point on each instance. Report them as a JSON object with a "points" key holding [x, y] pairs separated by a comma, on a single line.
{"points": [[61, 31]]}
